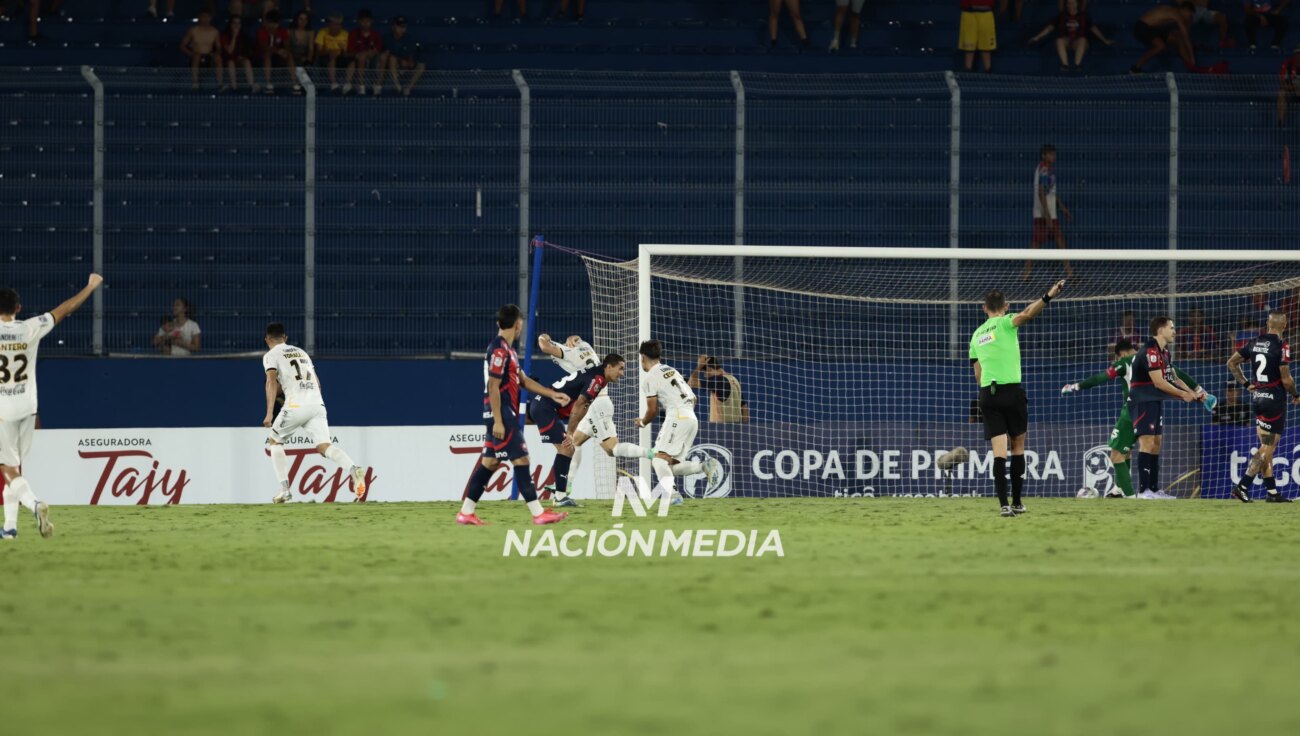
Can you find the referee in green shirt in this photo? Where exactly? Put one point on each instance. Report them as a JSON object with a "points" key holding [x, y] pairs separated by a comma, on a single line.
{"points": [[995, 355]]}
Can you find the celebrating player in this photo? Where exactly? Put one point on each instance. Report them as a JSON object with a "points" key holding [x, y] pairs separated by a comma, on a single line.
{"points": [[661, 384], [552, 419], [995, 356], [1122, 437], [290, 370], [1269, 356], [18, 344], [1154, 378], [504, 440], [574, 355]]}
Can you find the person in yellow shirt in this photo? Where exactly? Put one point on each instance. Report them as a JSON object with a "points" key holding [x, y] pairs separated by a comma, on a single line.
{"points": [[332, 47]]}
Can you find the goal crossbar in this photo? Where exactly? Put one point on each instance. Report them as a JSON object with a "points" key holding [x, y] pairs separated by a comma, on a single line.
{"points": [[968, 254]]}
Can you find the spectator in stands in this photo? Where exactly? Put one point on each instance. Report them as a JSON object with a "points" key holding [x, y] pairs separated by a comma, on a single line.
{"points": [[1127, 331], [301, 46], [171, 9], [34, 10], [1164, 26], [1247, 330], [523, 7], [1197, 339], [1046, 204], [364, 46], [1072, 28], [273, 47], [726, 402], [180, 336], [1264, 14], [237, 51], [332, 47], [202, 43], [774, 19], [1203, 16], [401, 53], [842, 8], [1230, 409], [253, 9], [977, 33], [579, 9], [1288, 85]]}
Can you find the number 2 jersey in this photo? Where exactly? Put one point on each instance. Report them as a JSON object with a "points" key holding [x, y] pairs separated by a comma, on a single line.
{"points": [[1265, 356], [669, 387], [19, 340], [297, 376]]}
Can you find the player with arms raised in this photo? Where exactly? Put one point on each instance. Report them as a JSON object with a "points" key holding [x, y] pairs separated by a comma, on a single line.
{"points": [[504, 440], [18, 343], [1122, 437], [573, 356], [1269, 357], [289, 368], [663, 386], [1154, 379], [553, 420]]}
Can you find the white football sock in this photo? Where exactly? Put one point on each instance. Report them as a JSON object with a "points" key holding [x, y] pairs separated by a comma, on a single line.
{"points": [[535, 508], [627, 449], [11, 507], [337, 454], [689, 468], [467, 506], [573, 467], [664, 471], [280, 462], [23, 492]]}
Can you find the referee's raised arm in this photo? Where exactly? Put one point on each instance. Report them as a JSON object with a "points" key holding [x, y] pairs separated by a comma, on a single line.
{"points": [[995, 357]]}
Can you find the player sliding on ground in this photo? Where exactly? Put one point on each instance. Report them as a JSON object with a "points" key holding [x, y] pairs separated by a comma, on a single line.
{"points": [[504, 438], [1269, 357], [553, 420], [290, 369], [18, 344], [1122, 436], [995, 356], [574, 355], [661, 384], [1154, 379]]}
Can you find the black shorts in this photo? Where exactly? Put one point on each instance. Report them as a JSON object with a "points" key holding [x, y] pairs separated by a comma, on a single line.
{"points": [[512, 446], [1146, 34], [1270, 409], [550, 425], [1006, 410], [1148, 417]]}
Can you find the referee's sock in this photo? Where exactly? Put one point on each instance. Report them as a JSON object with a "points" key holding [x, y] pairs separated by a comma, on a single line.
{"points": [[1000, 479], [1017, 478]]}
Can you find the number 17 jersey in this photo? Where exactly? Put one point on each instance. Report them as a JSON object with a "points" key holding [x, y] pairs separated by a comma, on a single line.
{"points": [[669, 387], [297, 376]]}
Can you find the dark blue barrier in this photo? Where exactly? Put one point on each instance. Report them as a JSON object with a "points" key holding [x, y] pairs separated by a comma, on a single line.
{"points": [[1227, 450]]}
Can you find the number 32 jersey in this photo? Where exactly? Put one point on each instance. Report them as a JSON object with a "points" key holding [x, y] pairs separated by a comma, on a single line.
{"points": [[669, 387], [18, 342], [296, 374]]}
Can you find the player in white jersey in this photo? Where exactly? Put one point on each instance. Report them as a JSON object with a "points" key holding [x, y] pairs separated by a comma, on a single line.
{"points": [[663, 386], [19, 340], [289, 368], [574, 356]]}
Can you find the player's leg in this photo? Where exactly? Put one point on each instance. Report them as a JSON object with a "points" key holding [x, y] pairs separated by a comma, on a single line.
{"points": [[1063, 53], [1146, 424], [478, 481], [552, 429], [1017, 430], [1121, 444], [995, 431], [15, 442], [286, 423], [318, 429], [1080, 50]]}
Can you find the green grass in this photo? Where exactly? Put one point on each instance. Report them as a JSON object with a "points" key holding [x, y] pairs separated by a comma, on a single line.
{"points": [[884, 616]]}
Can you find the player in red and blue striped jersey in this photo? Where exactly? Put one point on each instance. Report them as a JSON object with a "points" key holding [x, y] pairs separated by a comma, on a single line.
{"points": [[504, 438], [1153, 380]]}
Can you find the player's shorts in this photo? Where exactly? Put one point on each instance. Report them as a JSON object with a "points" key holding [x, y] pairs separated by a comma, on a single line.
{"points": [[16, 440], [854, 5], [1122, 437], [512, 446], [550, 425], [677, 436], [310, 419], [1045, 229], [1005, 411], [1147, 416], [1147, 34], [599, 420], [977, 32], [1270, 409]]}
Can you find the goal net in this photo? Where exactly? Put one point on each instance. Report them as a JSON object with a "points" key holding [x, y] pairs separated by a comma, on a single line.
{"points": [[853, 375]]}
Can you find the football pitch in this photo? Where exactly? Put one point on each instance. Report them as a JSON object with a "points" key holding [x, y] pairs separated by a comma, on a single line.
{"points": [[907, 616]]}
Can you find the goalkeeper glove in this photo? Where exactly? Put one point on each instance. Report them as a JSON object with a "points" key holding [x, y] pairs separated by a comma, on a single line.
{"points": [[1069, 388]]}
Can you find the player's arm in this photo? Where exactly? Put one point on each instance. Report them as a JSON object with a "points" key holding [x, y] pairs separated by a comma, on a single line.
{"points": [[187, 43], [1288, 383], [1043, 33], [1158, 380], [651, 411], [494, 404], [546, 346], [537, 388], [976, 365], [1234, 367], [63, 310], [1188, 382], [1035, 309], [580, 408], [694, 380], [272, 389], [192, 346], [744, 412], [1092, 381]]}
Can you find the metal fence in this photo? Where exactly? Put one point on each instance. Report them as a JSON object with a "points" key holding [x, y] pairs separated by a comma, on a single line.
{"points": [[395, 225]]}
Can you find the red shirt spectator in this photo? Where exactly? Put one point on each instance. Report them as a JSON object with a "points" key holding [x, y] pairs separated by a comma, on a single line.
{"points": [[977, 6], [271, 39], [361, 40], [1072, 26]]}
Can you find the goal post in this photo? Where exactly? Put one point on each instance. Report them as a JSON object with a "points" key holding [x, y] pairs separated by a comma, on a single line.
{"points": [[852, 363]]}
